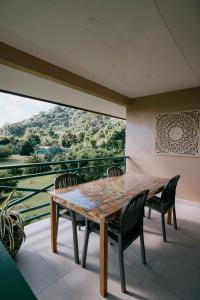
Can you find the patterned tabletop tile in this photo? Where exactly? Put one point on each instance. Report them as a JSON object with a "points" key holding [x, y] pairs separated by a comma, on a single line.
{"points": [[103, 198]]}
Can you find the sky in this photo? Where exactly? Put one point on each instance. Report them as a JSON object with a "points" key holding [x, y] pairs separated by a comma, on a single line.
{"points": [[15, 108]]}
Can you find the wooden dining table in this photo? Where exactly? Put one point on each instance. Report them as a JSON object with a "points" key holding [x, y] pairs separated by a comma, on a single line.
{"points": [[101, 201]]}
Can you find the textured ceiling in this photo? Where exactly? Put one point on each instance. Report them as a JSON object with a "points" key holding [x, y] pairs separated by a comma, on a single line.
{"points": [[134, 47]]}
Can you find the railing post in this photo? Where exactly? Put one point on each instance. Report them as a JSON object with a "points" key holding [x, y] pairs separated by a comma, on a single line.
{"points": [[79, 167], [124, 164]]}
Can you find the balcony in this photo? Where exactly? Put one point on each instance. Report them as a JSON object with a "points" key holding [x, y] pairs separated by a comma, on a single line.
{"points": [[172, 270], [128, 59], [56, 276], [87, 169]]}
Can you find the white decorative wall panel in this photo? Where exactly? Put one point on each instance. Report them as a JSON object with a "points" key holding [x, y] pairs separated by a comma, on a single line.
{"points": [[178, 133]]}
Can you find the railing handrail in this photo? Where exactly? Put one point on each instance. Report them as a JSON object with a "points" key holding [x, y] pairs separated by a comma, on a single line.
{"points": [[34, 191], [18, 166]]}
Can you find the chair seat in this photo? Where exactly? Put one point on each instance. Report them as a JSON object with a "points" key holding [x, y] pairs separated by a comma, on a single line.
{"points": [[80, 220], [155, 203], [112, 231]]}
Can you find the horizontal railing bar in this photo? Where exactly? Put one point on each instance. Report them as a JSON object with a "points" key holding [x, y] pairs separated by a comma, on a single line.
{"points": [[17, 201], [103, 164], [36, 217], [59, 162], [25, 210], [20, 177], [4, 187]]}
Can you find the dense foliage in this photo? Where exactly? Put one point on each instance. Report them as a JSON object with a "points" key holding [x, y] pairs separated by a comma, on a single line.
{"points": [[63, 131], [61, 134]]}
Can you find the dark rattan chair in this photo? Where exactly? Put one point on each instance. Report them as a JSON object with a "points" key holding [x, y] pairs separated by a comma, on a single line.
{"points": [[64, 181], [128, 228], [164, 203], [114, 171]]}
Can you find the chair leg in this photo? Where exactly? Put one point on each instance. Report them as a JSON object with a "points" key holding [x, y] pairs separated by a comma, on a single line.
{"points": [[57, 219], [149, 213], [121, 269], [142, 248], [174, 217], [163, 227], [85, 245], [75, 238]]}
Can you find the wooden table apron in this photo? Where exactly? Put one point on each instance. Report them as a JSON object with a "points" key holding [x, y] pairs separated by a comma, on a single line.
{"points": [[106, 197]]}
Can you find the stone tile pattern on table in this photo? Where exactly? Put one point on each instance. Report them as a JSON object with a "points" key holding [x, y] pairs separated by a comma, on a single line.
{"points": [[102, 199]]}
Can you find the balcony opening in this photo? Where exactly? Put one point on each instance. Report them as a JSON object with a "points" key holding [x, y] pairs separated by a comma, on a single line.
{"points": [[39, 140]]}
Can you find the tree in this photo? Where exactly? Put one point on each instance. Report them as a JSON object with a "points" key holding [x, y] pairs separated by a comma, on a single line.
{"points": [[51, 132], [4, 140], [27, 148], [16, 129], [5, 151], [97, 169], [68, 128], [93, 143], [80, 136], [116, 140], [33, 136], [68, 139], [53, 151]]}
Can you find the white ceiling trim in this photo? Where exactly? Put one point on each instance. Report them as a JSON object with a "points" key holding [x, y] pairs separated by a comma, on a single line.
{"points": [[19, 82]]}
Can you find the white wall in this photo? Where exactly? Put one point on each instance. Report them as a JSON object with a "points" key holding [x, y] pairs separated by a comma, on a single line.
{"points": [[140, 141]]}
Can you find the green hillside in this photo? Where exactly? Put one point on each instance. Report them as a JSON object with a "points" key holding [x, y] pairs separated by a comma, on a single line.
{"points": [[61, 133], [66, 129]]}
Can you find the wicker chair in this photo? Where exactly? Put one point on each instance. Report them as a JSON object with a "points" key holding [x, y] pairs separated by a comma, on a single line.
{"points": [[164, 203], [128, 228], [114, 171], [64, 181]]}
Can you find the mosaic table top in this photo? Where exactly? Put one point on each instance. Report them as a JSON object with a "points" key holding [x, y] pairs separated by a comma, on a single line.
{"points": [[102, 199]]}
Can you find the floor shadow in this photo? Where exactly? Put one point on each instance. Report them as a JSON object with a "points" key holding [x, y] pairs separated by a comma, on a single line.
{"points": [[136, 296], [153, 232]]}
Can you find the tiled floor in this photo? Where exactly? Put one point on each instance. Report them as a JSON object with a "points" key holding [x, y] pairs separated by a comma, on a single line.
{"points": [[172, 272]]}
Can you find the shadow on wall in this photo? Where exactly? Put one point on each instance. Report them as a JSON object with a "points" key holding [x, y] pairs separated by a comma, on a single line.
{"points": [[133, 166]]}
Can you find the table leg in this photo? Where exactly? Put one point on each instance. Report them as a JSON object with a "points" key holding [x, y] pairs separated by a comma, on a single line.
{"points": [[169, 217], [103, 258], [53, 226]]}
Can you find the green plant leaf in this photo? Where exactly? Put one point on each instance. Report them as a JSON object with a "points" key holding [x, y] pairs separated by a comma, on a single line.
{"points": [[8, 219], [5, 203], [11, 238], [2, 227], [21, 229]]}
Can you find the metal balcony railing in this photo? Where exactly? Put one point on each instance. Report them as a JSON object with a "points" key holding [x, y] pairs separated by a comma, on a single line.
{"points": [[87, 169]]}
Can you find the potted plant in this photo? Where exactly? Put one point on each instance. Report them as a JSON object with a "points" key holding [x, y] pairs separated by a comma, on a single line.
{"points": [[11, 227]]}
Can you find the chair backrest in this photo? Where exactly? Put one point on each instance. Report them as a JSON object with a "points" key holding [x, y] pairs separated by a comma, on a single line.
{"points": [[169, 192], [131, 216], [114, 171], [66, 180]]}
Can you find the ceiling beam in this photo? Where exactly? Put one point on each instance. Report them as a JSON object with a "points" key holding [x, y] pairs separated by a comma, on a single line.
{"points": [[185, 93], [21, 60]]}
